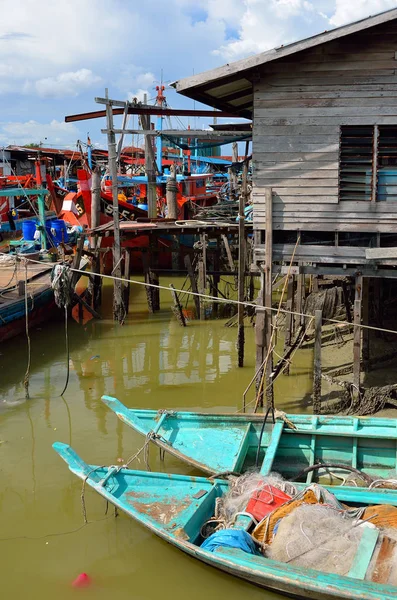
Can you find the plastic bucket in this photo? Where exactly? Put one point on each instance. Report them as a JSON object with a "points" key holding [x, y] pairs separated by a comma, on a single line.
{"points": [[28, 230], [58, 231]]}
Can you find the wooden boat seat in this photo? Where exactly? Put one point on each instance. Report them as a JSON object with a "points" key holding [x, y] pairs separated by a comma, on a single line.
{"points": [[272, 448], [364, 553]]}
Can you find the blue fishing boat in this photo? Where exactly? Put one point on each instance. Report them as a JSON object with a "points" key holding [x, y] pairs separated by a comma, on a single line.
{"points": [[299, 447], [177, 507]]}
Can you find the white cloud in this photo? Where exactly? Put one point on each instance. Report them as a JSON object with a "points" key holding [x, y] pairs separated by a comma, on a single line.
{"points": [[56, 132], [346, 12], [70, 83]]}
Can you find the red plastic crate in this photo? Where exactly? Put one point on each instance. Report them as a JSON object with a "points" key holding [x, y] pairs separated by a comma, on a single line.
{"points": [[265, 501]]}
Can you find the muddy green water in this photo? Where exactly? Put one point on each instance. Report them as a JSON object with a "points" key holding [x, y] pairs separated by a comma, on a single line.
{"points": [[151, 362]]}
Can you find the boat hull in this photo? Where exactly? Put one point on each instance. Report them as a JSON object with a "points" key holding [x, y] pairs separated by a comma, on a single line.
{"points": [[13, 323], [167, 505], [218, 443]]}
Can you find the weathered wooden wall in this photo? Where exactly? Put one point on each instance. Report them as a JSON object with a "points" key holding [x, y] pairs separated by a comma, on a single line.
{"points": [[300, 104]]}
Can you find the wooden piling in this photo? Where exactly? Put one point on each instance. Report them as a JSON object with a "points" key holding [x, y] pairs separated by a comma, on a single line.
{"points": [[150, 169], [126, 289], [202, 274], [241, 266], [263, 325], [177, 308], [118, 312], [95, 203], [171, 191], [317, 362], [289, 319], [193, 283], [365, 332], [357, 337]]}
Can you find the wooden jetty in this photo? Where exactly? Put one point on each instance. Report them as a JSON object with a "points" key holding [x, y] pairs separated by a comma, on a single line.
{"points": [[19, 286]]}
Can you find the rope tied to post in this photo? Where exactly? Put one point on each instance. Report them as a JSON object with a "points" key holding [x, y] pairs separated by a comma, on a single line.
{"points": [[61, 283]]}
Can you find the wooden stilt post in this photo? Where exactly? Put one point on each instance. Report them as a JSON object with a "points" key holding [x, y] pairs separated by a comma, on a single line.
{"points": [[357, 336], [177, 308], [126, 290], [317, 362], [172, 189], [146, 274], [378, 303], [365, 332], [193, 283], [153, 264], [202, 273], [315, 283], [150, 169], [241, 266], [95, 203], [300, 299], [216, 278], [112, 157], [228, 252], [346, 300], [264, 318], [289, 320]]}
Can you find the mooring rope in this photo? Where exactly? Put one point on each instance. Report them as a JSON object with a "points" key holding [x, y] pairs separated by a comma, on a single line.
{"points": [[27, 373], [223, 300]]}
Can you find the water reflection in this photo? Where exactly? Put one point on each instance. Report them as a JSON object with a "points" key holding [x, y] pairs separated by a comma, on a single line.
{"points": [[151, 362]]}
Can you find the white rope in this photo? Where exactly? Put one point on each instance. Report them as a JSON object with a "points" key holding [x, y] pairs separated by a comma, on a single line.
{"points": [[216, 298]]}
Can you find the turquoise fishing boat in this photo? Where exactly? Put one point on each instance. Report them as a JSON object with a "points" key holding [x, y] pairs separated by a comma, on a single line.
{"points": [[296, 446], [175, 507]]}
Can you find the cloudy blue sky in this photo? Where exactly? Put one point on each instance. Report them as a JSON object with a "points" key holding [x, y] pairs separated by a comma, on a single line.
{"points": [[56, 56]]}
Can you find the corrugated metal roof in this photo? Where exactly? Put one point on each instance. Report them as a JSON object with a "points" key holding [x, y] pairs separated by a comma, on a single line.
{"points": [[229, 88]]}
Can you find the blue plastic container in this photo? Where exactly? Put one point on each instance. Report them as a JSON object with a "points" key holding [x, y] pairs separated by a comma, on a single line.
{"points": [[28, 230], [58, 231], [143, 206]]}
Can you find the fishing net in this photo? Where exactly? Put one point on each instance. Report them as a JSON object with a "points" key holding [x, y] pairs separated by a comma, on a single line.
{"points": [[243, 487], [318, 537]]}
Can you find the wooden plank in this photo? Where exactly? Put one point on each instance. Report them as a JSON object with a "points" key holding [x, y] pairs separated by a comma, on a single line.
{"points": [[280, 130], [376, 119], [297, 157], [322, 164], [271, 450], [317, 92], [327, 103], [355, 443], [286, 145], [261, 136], [379, 253], [291, 182], [228, 252], [329, 68], [364, 553], [341, 111], [264, 176], [315, 199], [384, 562]]}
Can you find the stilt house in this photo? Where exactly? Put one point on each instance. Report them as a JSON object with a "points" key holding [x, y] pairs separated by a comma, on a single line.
{"points": [[324, 131], [324, 114]]}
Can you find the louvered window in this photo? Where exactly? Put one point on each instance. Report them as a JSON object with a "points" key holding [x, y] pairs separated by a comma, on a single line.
{"points": [[368, 163], [356, 158]]}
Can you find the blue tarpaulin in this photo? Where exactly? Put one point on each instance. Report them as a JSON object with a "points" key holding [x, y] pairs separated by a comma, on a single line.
{"points": [[231, 538]]}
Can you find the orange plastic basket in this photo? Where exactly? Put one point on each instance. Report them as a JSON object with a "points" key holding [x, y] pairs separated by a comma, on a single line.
{"points": [[265, 501]]}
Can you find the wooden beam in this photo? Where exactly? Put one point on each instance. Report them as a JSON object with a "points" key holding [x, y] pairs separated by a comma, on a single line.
{"points": [[365, 332]]}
